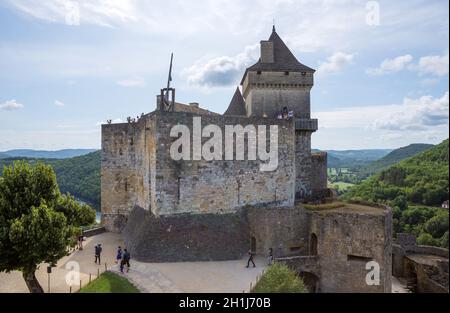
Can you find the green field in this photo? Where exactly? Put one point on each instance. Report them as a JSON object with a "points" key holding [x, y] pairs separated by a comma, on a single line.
{"points": [[109, 283], [334, 171], [341, 186]]}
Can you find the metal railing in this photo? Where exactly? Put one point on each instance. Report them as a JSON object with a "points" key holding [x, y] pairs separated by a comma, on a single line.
{"points": [[306, 124]]}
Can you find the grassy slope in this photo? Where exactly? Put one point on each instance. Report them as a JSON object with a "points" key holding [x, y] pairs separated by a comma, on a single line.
{"points": [[109, 283]]}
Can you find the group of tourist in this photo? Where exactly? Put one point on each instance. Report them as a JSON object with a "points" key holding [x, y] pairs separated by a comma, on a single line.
{"points": [[285, 114], [251, 257], [122, 257]]}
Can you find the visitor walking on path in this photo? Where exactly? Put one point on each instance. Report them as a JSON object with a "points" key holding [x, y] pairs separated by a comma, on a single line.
{"points": [[80, 242], [119, 254], [270, 257], [125, 260], [251, 256], [98, 252]]}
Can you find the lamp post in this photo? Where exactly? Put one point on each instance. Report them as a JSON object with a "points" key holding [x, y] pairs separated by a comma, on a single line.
{"points": [[49, 271]]}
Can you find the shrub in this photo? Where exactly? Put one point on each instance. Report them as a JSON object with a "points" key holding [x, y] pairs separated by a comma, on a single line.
{"points": [[427, 240], [438, 224], [280, 279]]}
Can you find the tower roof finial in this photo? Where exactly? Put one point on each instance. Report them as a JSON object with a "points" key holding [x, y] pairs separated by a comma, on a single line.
{"points": [[273, 27]]}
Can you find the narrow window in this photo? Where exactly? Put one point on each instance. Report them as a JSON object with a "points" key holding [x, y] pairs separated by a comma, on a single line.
{"points": [[358, 258], [179, 189], [313, 245]]}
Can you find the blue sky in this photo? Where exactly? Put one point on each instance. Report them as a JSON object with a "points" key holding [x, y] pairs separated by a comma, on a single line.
{"points": [[380, 83]]}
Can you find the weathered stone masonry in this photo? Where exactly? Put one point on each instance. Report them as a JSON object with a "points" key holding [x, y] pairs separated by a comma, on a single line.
{"points": [[153, 181]]}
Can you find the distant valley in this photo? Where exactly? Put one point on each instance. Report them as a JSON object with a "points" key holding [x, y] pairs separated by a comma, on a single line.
{"points": [[43, 154]]}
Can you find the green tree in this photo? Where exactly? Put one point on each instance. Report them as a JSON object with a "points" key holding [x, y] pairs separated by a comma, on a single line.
{"points": [[37, 223], [437, 225], [427, 240], [280, 279]]}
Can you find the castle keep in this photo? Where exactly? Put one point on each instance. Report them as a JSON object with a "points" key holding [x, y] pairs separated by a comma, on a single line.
{"points": [[189, 210]]}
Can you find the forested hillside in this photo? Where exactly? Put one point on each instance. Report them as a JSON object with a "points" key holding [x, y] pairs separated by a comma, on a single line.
{"points": [[415, 188], [79, 176], [393, 157]]}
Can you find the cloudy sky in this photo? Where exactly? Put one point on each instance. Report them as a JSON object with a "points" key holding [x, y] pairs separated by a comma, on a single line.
{"points": [[381, 80]]}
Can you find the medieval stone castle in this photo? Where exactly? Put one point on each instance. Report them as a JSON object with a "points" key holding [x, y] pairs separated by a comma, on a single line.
{"points": [[187, 210]]}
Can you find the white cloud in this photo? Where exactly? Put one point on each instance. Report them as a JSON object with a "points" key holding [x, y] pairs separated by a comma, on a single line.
{"points": [[424, 119], [313, 24], [434, 64], [422, 114], [132, 82], [59, 103], [416, 114], [335, 63], [97, 12], [391, 65], [11, 105], [221, 71]]}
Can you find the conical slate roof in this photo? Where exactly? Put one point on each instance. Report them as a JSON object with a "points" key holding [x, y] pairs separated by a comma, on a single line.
{"points": [[237, 105], [284, 60]]}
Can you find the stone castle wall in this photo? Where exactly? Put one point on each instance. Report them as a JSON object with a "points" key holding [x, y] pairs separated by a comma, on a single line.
{"points": [[346, 242], [337, 258], [285, 230], [137, 170], [303, 165], [186, 237], [425, 266], [319, 167], [220, 186], [124, 182], [194, 237]]}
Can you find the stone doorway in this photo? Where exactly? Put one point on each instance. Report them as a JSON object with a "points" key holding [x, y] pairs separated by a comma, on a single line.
{"points": [[311, 281], [313, 244]]}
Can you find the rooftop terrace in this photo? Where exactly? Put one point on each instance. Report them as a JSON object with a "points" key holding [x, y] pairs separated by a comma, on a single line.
{"points": [[347, 207]]}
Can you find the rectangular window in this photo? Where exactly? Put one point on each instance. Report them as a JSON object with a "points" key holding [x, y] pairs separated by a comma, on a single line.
{"points": [[358, 258]]}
